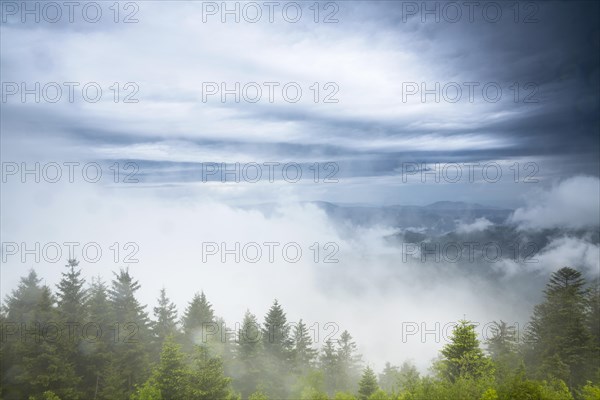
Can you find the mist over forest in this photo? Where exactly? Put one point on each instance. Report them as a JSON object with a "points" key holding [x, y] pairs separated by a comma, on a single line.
{"points": [[327, 200]]}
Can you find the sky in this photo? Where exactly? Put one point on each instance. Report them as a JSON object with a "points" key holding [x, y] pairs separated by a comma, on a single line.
{"points": [[385, 103]]}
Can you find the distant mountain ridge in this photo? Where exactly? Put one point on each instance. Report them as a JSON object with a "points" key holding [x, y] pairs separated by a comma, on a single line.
{"points": [[438, 217], [442, 216]]}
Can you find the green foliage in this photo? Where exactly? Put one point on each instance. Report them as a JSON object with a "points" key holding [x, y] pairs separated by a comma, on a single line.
{"points": [[590, 392], [328, 364], [303, 354], [593, 320], [277, 346], [408, 377], [148, 391], [310, 393], [524, 389], [348, 361], [99, 350], [71, 294], [143, 360], [388, 379], [308, 385], [175, 378], [248, 356], [129, 349], [344, 396], [47, 395], [198, 320], [207, 378], [561, 340], [489, 394], [71, 298], [39, 361], [166, 318], [379, 394], [259, 395], [340, 364], [171, 375], [503, 341], [367, 385], [463, 357], [556, 390]]}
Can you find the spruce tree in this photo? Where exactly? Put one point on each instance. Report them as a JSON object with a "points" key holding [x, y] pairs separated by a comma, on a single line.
{"points": [[71, 294], [463, 357], [71, 300], [207, 378], [198, 320], [277, 346], [559, 333], [276, 333], [172, 374], [20, 306], [367, 384], [131, 335], [39, 363], [503, 349], [166, 318], [348, 361], [593, 320], [388, 379], [303, 354], [408, 377], [22, 301], [98, 332], [248, 356], [503, 340], [328, 364]]}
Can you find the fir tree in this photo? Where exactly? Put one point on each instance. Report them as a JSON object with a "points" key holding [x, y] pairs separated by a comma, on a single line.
{"points": [[408, 377], [166, 318], [463, 357], [276, 333], [593, 319], [248, 355], [367, 384], [503, 340], [277, 346], [560, 337], [388, 379], [502, 347], [99, 338], [208, 380], [131, 334], [19, 309], [348, 362], [198, 321], [71, 294], [328, 363], [172, 375], [71, 300], [303, 354], [22, 301], [40, 364]]}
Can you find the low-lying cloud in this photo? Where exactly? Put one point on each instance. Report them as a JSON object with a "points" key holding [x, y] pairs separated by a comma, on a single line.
{"points": [[573, 203]]}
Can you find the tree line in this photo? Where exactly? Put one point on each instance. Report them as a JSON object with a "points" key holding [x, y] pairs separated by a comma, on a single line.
{"points": [[97, 341]]}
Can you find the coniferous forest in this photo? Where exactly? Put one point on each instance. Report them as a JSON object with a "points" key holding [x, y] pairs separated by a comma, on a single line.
{"points": [[300, 200], [95, 340]]}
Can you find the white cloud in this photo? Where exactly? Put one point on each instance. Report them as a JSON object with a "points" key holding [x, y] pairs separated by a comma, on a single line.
{"points": [[564, 251], [480, 224], [573, 203], [371, 292]]}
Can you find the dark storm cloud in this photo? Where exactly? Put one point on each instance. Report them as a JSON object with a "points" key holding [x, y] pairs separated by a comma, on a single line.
{"points": [[558, 53]]}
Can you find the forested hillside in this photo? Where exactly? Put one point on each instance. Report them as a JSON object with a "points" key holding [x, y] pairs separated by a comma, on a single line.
{"points": [[96, 341]]}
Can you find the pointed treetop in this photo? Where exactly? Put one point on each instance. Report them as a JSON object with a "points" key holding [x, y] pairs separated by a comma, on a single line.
{"points": [[564, 278]]}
